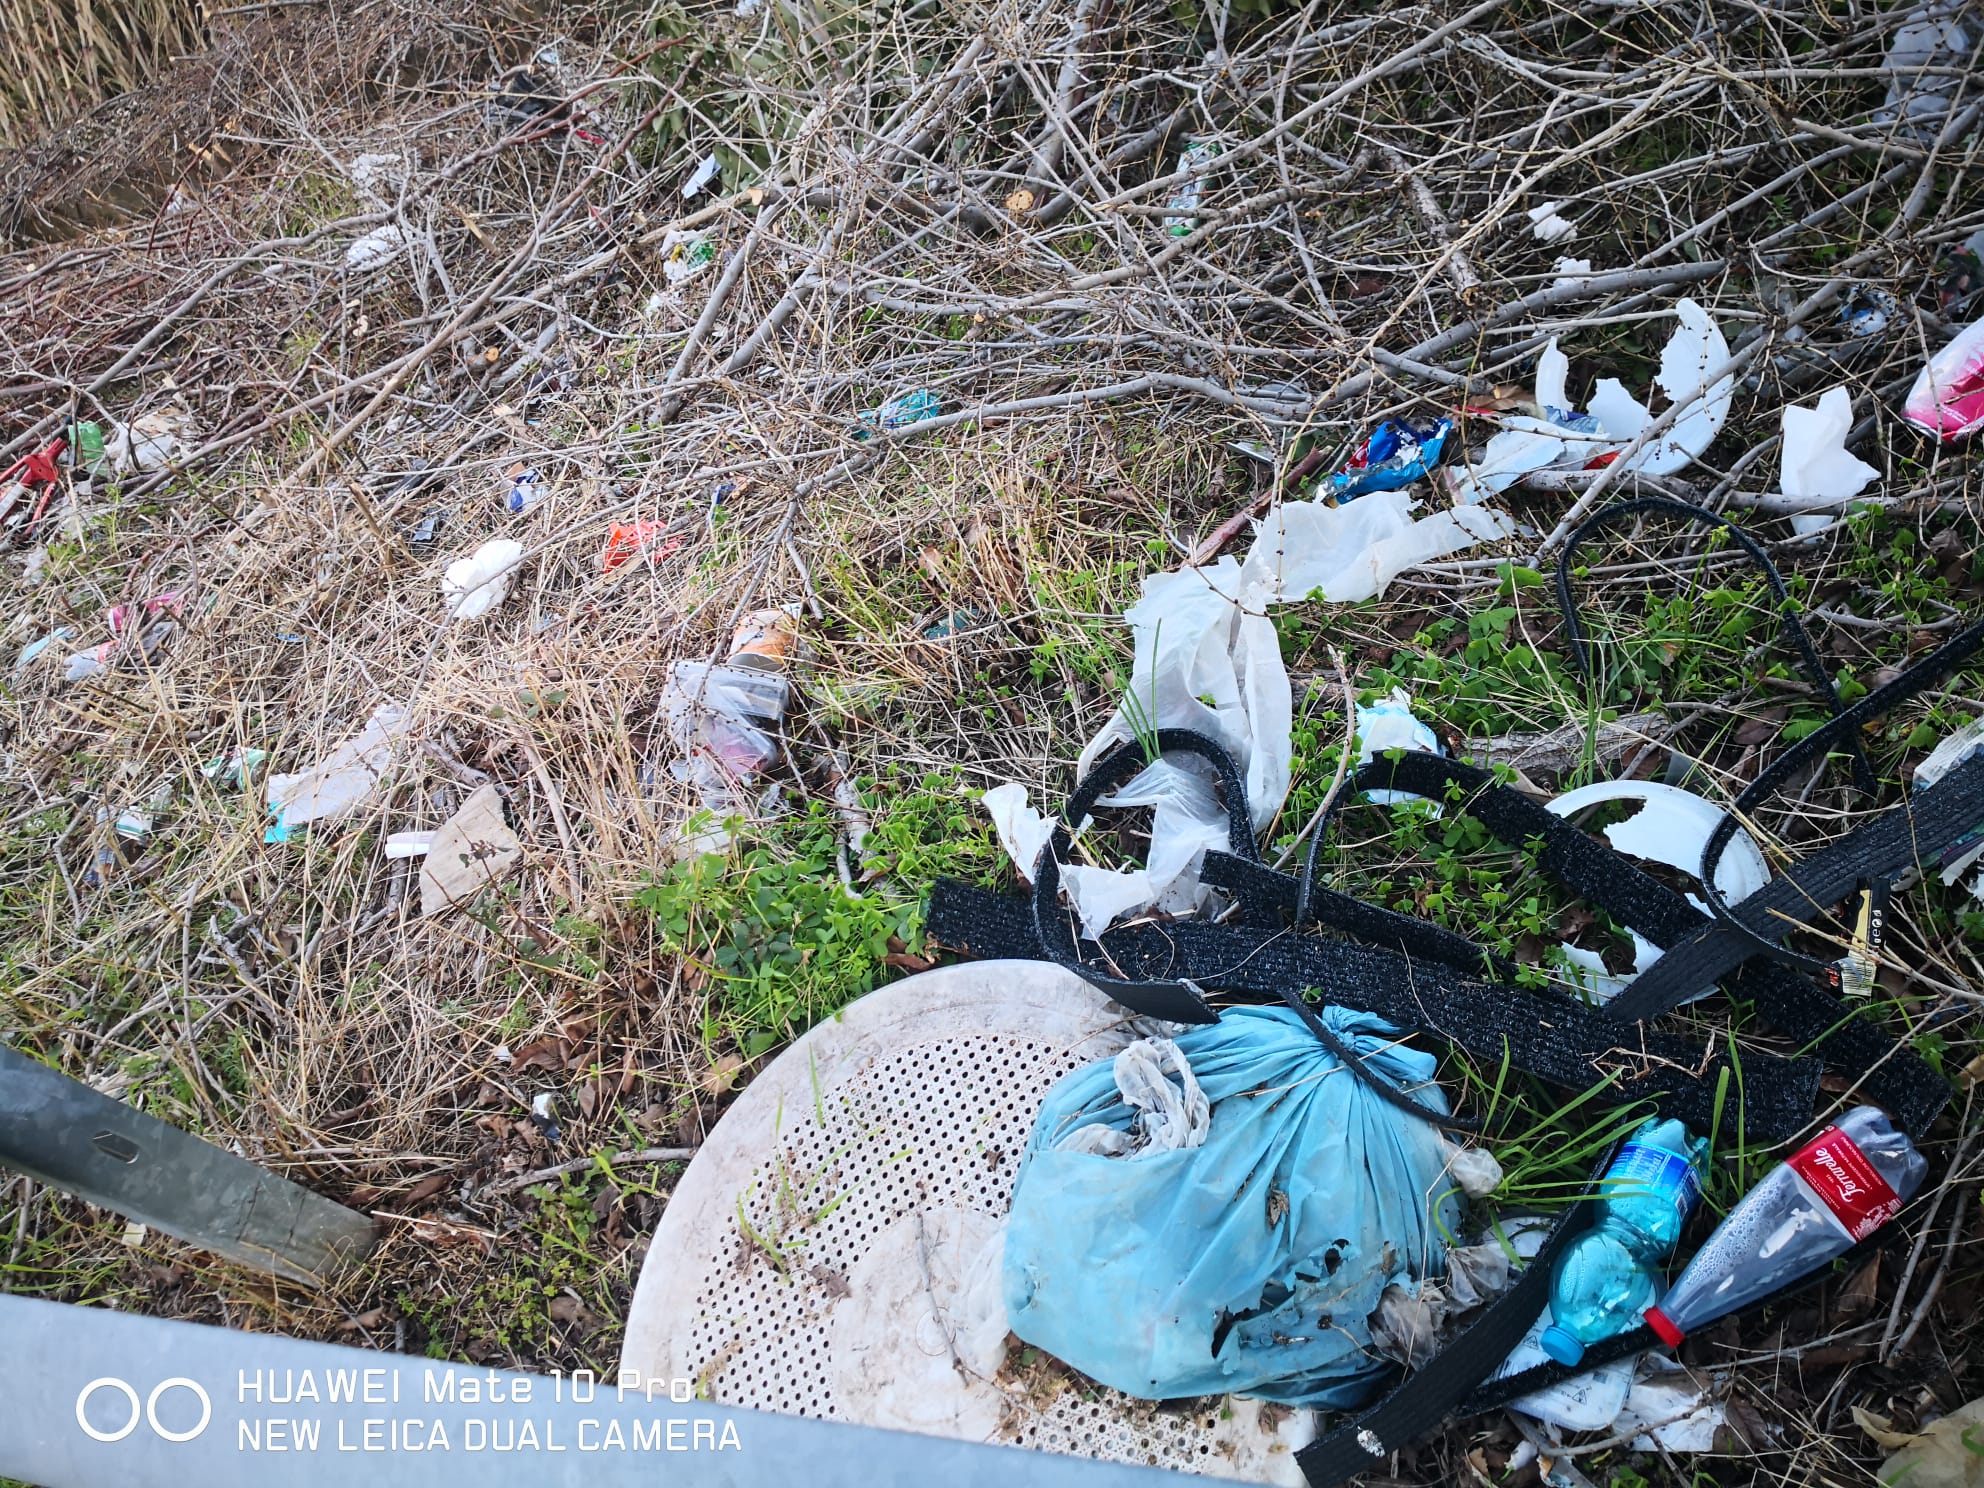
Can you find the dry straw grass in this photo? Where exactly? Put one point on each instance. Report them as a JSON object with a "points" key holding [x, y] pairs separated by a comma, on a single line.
{"points": [[966, 198], [64, 55]]}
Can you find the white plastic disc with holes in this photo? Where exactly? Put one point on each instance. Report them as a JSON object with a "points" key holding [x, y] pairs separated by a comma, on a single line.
{"points": [[834, 1248]]}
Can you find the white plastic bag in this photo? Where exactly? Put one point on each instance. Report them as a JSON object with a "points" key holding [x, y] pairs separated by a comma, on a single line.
{"points": [[473, 586]]}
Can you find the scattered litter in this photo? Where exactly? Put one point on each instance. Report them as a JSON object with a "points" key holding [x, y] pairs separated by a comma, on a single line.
{"points": [[1223, 1295], [122, 617], [1836, 1190], [423, 532], [376, 174], [1606, 1278], [376, 248], [629, 540], [1948, 396], [150, 442], [1673, 827], [133, 824], [1546, 226], [473, 586], [345, 778], [1475, 1170], [1182, 210], [704, 173], [237, 768], [526, 489], [1927, 58], [32, 652], [1389, 724], [1869, 311], [1695, 350], [955, 623], [725, 723], [541, 1107], [1943, 1454], [684, 255], [1396, 455], [475, 849], [900, 412], [409, 845], [1816, 462], [1571, 271], [97, 659], [524, 95], [1672, 1409], [290, 637]]}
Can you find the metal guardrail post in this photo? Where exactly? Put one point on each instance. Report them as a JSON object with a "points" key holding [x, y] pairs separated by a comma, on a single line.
{"points": [[73, 1138]]}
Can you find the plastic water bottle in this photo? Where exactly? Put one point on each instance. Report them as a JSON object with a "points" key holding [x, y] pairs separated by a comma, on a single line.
{"points": [[1831, 1193], [1605, 1278]]}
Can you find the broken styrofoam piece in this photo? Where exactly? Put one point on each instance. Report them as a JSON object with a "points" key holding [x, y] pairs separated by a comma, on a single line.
{"points": [[380, 246], [1099, 895], [1948, 396], [473, 586], [1386, 725], [475, 849], [1692, 353], [1175, 1114], [1571, 271], [343, 780], [1547, 225], [1673, 826], [409, 845], [1816, 462]]}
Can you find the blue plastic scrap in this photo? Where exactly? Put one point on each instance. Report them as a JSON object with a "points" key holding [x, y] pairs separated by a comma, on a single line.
{"points": [[1396, 455], [1252, 1262]]}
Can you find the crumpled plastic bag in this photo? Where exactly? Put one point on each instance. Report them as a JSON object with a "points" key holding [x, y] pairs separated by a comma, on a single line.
{"points": [[1816, 462], [1248, 1264], [1386, 725], [1948, 396], [1172, 1115], [1410, 1323], [347, 775], [1100, 895], [150, 442], [1947, 1453], [376, 248], [1919, 99], [473, 586]]}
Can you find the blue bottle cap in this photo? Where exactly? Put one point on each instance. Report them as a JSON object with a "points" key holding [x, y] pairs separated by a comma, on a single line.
{"points": [[1561, 1345]]}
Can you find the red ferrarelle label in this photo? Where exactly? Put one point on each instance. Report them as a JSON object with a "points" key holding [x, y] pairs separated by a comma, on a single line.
{"points": [[1841, 1176]]}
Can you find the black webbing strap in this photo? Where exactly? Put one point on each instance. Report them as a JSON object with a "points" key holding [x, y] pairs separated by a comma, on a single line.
{"points": [[1417, 1407], [1917, 831], [1542, 1032], [1795, 1005]]}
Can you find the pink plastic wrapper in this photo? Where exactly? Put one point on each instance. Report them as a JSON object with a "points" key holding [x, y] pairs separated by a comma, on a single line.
{"points": [[1948, 398]]}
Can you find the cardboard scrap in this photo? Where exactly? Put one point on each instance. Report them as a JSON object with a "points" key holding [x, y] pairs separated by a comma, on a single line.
{"points": [[474, 850]]}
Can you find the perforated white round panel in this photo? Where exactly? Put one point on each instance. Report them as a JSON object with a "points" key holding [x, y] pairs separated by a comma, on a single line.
{"points": [[833, 1249]]}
